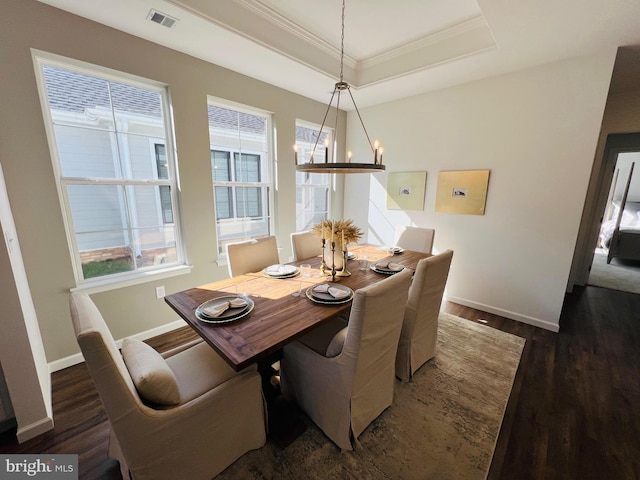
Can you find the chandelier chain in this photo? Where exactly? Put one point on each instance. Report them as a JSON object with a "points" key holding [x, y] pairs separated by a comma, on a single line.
{"points": [[342, 46], [340, 167]]}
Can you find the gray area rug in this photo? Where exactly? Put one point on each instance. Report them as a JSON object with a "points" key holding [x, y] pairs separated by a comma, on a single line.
{"points": [[443, 425], [623, 275]]}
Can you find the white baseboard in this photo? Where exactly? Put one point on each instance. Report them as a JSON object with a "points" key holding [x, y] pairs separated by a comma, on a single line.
{"points": [[536, 322], [34, 429], [78, 358]]}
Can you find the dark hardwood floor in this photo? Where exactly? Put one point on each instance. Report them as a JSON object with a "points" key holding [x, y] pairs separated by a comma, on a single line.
{"points": [[574, 411]]}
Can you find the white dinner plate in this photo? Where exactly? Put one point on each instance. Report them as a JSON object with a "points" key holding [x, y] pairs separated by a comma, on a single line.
{"points": [[385, 271], [281, 271], [229, 315], [326, 298]]}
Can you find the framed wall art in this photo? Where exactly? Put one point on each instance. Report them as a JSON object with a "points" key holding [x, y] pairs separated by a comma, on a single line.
{"points": [[405, 190], [463, 191]]}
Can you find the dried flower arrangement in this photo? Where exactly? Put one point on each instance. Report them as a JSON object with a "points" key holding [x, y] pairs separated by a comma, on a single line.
{"points": [[351, 232]]}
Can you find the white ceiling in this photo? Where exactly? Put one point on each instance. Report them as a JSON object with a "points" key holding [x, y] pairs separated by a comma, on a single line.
{"points": [[393, 49]]}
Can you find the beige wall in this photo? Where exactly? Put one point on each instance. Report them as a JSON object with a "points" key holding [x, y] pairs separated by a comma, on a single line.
{"points": [[536, 130], [24, 152]]}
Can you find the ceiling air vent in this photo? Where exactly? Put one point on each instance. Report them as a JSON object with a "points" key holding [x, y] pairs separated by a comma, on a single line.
{"points": [[161, 18]]}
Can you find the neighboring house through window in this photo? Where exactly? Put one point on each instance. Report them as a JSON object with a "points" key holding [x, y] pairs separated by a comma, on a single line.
{"points": [[312, 189], [162, 169], [110, 137], [241, 172]]}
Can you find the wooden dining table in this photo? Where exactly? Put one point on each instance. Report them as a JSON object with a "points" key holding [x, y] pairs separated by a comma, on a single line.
{"points": [[277, 318]]}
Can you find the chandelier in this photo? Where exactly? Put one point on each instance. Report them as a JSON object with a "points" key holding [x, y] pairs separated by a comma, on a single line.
{"points": [[348, 166]]}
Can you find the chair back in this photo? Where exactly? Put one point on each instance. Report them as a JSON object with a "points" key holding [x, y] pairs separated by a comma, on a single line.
{"points": [[112, 380], [102, 357], [419, 330], [372, 337], [305, 245], [415, 238], [251, 255]]}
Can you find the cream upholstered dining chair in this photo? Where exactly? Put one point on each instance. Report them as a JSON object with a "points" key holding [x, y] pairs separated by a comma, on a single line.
{"points": [[420, 327], [189, 415], [251, 255], [342, 374], [414, 238], [305, 245]]}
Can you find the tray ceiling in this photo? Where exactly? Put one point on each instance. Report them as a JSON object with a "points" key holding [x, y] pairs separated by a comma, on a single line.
{"points": [[392, 49]]}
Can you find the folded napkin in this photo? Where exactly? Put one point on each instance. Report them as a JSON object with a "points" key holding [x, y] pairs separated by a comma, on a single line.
{"points": [[338, 293], [274, 269], [280, 270], [216, 310], [394, 267], [335, 292]]}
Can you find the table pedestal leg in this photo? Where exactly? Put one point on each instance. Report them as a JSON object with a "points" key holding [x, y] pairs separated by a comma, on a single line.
{"points": [[285, 420]]}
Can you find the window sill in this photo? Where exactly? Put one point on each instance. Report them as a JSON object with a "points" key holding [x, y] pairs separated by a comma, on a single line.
{"points": [[104, 285]]}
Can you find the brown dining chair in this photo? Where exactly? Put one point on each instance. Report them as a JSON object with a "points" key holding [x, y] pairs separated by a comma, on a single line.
{"points": [[251, 255], [420, 326], [185, 414], [342, 374], [414, 238], [305, 245]]}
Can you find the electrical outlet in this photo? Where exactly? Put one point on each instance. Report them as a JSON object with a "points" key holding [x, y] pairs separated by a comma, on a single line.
{"points": [[160, 292]]}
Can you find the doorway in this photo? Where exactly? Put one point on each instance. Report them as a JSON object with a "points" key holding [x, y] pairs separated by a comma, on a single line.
{"points": [[618, 272]]}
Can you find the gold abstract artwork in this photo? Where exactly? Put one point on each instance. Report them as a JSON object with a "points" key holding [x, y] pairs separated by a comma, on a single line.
{"points": [[405, 190], [463, 192]]}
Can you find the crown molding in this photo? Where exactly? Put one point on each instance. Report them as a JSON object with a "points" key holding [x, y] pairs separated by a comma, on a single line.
{"points": [[259, 23], [282, 22], [426, 42], [392, 63]]}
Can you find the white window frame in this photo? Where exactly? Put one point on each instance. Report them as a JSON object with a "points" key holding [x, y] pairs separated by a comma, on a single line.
{"points": [[330, 177], [137, 276], [269, 170]]}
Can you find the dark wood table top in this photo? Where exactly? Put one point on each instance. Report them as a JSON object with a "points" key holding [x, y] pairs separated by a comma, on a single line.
{"points": [[278, 318]]}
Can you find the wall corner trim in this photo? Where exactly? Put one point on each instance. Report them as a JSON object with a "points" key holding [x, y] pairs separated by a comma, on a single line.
{"points": [[34, 429]]}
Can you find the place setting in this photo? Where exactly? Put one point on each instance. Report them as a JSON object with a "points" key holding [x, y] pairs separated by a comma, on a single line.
{"points": [[386, 267], [281, 271], [391, 249], [224, 309], [329, 294]]}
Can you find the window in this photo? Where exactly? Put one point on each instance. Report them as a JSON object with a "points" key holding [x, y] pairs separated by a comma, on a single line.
{"points": [[115, 172], [240, 172], [312, 189]]}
